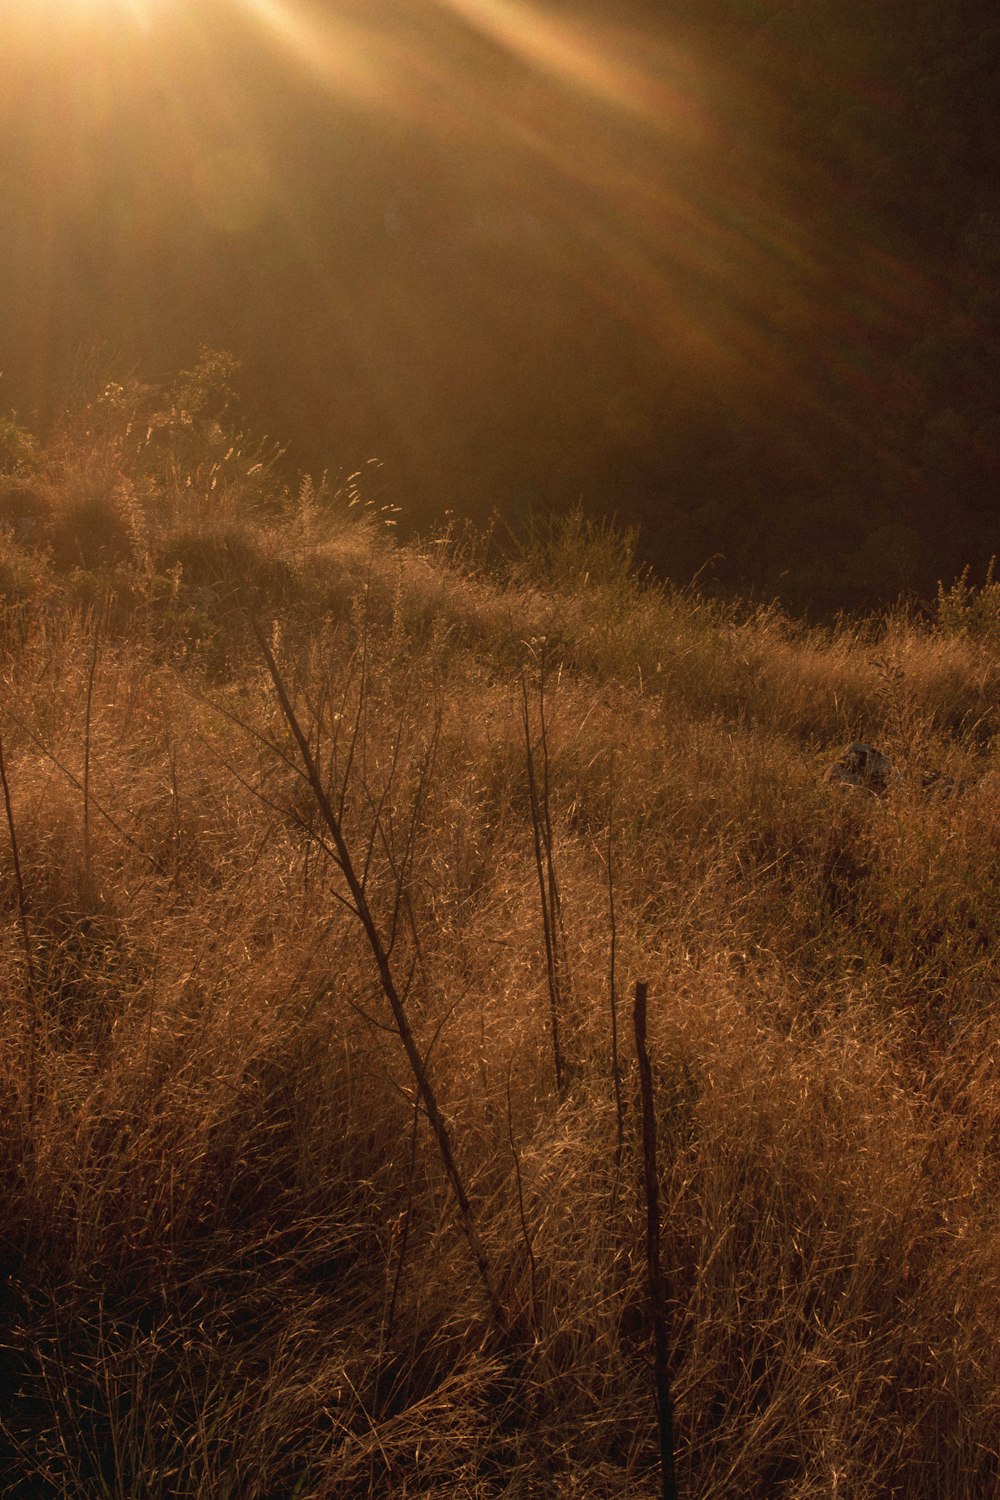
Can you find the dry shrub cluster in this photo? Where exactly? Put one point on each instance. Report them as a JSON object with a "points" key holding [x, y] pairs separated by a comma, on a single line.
{"points": [[231, 1262]]}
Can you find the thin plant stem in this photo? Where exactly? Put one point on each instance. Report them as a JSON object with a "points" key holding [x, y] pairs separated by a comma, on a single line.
{"points": [[22, 911], [654, 1268], [88, 712], [389, 987], [545, 887], [616, 1074], [522, 1217]]}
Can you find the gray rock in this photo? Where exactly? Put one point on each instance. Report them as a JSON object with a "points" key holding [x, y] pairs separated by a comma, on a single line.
{"points": [[863, 766]]}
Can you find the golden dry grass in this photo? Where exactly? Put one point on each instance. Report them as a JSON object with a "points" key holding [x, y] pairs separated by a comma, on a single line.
{"points": [[231, 1261]]}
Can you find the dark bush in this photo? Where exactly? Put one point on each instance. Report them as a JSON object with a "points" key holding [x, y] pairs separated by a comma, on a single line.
{"points": [[91, 532], [228, 562]]}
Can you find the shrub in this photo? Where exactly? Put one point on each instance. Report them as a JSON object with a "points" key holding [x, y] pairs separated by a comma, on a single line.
{"points": [[226, 566], [964, 609], [91, 532]]}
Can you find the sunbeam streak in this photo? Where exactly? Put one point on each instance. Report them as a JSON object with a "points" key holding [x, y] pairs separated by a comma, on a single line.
{"points": [[588, 57], [328, 46], [445, 192], [46, 15]]}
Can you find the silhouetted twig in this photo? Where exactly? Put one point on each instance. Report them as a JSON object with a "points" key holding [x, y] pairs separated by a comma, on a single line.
{"points": [[522, 1217], [657, 1292], [393, 994], [22, 911], [616, 1074], [548, 887], [91, 674]]}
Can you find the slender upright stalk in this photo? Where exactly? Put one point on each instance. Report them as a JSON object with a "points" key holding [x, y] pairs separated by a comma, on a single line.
{"points": [[548, 890], [522, 1216], [555, 901], [657, 1290], [390, 989], [616, 1072], [22, 909], [92, 672]]}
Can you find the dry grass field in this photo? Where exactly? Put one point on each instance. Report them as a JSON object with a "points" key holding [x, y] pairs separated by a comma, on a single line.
{"points": [[233, 1262]]}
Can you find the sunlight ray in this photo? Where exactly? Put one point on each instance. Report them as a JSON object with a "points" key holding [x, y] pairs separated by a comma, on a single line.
{"points": [[330, 48], [584, 56]]}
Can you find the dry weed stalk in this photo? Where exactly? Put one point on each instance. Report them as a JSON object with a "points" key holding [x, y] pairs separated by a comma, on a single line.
{"points": [[22, 911], [88, 712], [527, 1238], [381, 952], [545, 868], [616, 1073], [657, 1289]]}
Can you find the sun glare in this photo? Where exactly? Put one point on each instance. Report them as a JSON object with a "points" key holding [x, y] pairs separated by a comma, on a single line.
{"points": [[45, 18], [330, 47], [523, 125], [138, 8]]}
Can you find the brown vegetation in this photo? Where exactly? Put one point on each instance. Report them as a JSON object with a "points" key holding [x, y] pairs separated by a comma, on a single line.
{"points": [[231, 1259]]}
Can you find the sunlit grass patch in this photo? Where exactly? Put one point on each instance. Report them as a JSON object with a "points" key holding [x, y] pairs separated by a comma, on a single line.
{"points": [[232, 1262]]}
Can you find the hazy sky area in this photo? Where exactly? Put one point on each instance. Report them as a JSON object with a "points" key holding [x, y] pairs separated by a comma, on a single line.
{"points": [[729, 271]]}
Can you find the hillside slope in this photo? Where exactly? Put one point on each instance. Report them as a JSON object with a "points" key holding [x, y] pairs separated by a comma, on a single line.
{"points": [[232, 1259]]}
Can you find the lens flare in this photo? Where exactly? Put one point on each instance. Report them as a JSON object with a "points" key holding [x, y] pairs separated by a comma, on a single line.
{"points": [[588, 160], [329, 46], [46, 14]]}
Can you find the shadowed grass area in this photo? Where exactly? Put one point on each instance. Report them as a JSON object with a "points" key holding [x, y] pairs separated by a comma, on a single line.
{"points": [[231, 1263]]}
